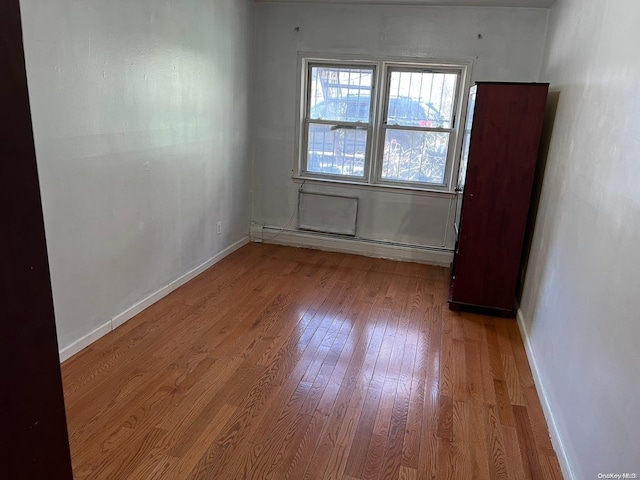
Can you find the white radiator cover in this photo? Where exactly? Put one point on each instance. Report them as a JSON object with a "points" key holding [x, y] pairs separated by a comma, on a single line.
{"points": [[327, 213]]}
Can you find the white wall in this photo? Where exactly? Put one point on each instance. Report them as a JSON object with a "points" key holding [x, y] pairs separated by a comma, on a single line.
{"points": [[580, 301], [511, 50], [140, 116]]}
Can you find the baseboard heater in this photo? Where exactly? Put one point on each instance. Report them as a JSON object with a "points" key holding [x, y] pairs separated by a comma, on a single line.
{"points": [[319, 212]]}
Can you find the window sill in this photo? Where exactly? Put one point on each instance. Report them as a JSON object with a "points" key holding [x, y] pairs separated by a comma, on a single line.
{"points": [[387, 188]]}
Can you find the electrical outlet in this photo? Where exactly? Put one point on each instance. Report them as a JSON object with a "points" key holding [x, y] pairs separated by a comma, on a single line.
{"points": [[219, 228]]}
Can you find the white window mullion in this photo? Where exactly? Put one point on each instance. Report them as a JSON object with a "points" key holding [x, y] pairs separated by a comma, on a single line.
{"points": [[376, 123]]}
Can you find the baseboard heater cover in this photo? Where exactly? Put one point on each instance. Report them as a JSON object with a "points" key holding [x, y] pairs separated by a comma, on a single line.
{"points": [[319, 212]]}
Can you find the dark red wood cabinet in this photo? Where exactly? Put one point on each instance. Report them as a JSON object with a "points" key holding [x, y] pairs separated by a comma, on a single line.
{"points": [[33, 429], [497, 167]]}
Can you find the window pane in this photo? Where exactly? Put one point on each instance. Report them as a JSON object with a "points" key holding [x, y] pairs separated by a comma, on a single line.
{"points": [[335, 150], [415, 156], [340, 94], [466, 141], [421, 99]]}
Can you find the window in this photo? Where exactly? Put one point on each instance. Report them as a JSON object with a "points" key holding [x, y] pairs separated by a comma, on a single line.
{"points": [[339, 119], [402, 134]]}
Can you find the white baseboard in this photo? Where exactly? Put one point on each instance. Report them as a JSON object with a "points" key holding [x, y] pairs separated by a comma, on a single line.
{"points": [[359, 246], [88, 339], [554, 433], [132, 311]]}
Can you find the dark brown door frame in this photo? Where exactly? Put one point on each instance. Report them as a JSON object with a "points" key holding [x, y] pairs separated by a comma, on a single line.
{"points": [[33, 429]]}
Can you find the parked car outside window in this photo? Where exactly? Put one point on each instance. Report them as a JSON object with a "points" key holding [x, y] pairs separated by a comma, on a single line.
{"points": [[331, 147], [355, 108]]}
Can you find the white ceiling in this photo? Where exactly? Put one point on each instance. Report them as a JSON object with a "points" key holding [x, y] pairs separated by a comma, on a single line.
{"points": [[451, 3]]}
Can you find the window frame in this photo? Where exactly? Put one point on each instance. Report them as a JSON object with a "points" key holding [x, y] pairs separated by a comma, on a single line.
{"points": [[383, 67], [306, 121], [389, 68]]}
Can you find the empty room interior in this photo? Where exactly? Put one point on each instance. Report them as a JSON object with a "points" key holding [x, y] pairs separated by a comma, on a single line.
{"points": [[346, 239]]}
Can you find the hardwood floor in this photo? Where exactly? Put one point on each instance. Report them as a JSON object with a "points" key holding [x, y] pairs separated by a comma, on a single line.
{"points": [[283, 363]]}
